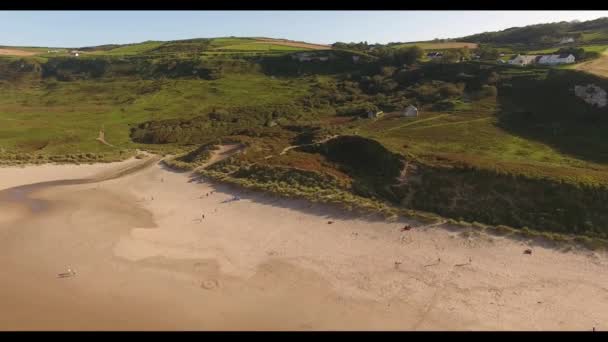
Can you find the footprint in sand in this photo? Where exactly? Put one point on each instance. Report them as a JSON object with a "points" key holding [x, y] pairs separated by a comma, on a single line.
{"points": [[210, 284]]}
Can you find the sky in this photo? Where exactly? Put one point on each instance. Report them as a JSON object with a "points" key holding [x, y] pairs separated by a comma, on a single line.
{"points": [[89, 28]]}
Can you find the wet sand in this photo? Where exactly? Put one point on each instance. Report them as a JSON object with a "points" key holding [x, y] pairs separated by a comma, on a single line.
{"points": [[145, 259]]}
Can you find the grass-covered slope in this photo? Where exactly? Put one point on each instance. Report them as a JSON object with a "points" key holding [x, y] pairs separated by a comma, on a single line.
{"points": [[488, 138]]}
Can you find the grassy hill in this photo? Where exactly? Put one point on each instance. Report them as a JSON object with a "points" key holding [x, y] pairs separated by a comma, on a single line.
{"points": [[593, 32], [485, 144], [439, 45]]}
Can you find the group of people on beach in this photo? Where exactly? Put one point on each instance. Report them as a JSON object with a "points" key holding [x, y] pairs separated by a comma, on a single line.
{"points": [[234, 198], [207, 194]]}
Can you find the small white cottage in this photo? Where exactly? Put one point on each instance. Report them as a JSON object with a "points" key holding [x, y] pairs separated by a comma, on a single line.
{"points": [[375, 114], [523, 60], [410, 112], [557, 59]]}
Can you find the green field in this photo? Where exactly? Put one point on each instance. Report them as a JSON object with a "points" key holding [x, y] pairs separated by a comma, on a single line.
{"points": [[259, 46], [132, 49], [439, 46], [594, 48]]}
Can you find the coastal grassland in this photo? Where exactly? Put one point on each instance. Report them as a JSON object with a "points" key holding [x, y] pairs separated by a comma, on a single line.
{"points": [[51, 117]]}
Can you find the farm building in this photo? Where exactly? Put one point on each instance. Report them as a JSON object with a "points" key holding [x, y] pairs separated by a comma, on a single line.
{"points": [[308, 56], [523, 60], [557, 59], [434, 55], [410, 112], [375, 114], [75, 53], [566, 40]]}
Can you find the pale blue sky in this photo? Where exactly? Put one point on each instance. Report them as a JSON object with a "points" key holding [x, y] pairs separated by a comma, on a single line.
{"points": [[86, 28]]}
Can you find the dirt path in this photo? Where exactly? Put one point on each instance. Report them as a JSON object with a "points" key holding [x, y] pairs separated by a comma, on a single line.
{"points": [[322, 141], [102, 138], [417, 122], [223, 152]]}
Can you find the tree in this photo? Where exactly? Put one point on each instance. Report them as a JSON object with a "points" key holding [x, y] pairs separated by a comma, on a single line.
{"points": [[451, 56], [408, 55], [487, 53], [578, 53], [465, 53]]}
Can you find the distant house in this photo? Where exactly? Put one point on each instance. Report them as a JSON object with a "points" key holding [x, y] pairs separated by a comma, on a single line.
{"points": [[434, 55], [308, 56], [375, 114], [566, 40], [523, 60], [557, 59], [410, 112], [75, 53], [302, 57]]}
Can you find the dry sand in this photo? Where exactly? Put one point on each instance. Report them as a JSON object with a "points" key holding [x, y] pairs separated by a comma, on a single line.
{"points": [[598, 67], [146, 260], [16, 52]]}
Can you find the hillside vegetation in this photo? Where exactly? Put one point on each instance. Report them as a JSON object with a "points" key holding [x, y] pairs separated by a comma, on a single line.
{"points": [[588, 32], [492, 143]]}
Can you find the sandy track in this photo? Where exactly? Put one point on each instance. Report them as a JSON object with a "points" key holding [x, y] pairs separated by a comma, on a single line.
{"points": [[16, 52], [223, 152], [146, 259]]}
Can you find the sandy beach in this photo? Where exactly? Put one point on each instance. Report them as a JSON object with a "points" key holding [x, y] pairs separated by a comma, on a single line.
{"points": [[146, 259]]}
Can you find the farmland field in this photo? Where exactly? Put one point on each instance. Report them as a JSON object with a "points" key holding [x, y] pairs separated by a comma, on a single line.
{"points": [[597, 66], [17, 52], [440, 46]]}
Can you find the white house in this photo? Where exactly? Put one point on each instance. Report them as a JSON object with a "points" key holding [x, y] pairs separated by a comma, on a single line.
{"points": [[522, 60], [307, 57], [75, 53], [374, 114], [434, 55], [302, 57], [557, 59], [566, 40], [410, 112]]}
